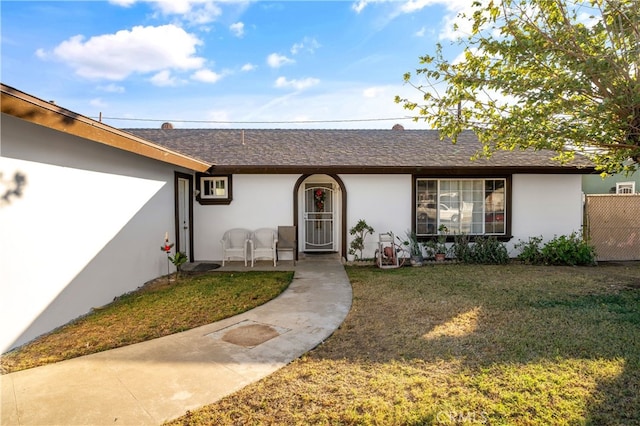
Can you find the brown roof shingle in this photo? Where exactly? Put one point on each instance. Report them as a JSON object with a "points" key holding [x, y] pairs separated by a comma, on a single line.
{"points": [[349, 151]]}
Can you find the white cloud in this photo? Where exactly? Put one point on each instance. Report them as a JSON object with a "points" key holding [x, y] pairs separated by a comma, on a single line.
{"points": [[453, 7], [282, 82], [112, 88], [98, 103], [359, 5], [193, 11], [373, 92], [237, 29], [308, 44], [421, 32], [415, 5], [206, 76], [164, 79], [42, 54], [248, 67], [276, 60], [141, 50], [124, 3]]}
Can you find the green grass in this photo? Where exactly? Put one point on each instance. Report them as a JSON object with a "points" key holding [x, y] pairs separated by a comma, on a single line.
{"points": [[155, 310], [460, 344]]}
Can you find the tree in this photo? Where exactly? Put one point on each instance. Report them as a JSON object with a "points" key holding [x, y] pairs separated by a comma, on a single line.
{"points": [[542, 74]]}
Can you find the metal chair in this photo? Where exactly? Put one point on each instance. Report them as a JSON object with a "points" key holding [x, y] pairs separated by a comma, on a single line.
{"points": [[263, 245], [235, 244], [287, 241]]}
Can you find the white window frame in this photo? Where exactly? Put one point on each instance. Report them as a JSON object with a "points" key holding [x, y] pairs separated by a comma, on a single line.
{"points": [[205, 189], [417, 201], [209, 187], [625, 187]]}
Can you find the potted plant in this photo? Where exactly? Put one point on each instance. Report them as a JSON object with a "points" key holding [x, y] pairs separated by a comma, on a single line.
{"points": [[438, 248], [441, 246], [415, 250]]}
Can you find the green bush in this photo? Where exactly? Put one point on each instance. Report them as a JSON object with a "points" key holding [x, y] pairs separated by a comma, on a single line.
{"points": [[461, 248], [488, 251], [571, 250], [563, 250], [530, 251]]}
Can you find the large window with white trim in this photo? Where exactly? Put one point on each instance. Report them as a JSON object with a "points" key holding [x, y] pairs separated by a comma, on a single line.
{"points": [[460, 206]]}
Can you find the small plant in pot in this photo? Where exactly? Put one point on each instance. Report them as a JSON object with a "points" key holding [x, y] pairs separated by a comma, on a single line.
{"points": [[438, 248], [414, 247], [441, 247]]}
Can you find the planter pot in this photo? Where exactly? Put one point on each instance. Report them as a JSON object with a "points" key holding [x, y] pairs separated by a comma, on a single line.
{"points": [[440, 257]]}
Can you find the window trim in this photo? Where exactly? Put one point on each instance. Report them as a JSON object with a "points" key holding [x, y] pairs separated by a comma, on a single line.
{"points": [[621, 187], [213, 200], [507, 236]]}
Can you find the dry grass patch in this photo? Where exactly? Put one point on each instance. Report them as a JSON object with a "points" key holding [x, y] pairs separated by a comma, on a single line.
{"points": [[155, 310], [458, 344]]}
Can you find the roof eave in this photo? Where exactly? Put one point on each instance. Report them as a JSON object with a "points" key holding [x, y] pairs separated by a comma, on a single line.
{"points": [[414, 170], [37, 111]]}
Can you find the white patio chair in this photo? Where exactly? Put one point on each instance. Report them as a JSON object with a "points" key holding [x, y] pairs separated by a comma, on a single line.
{"points": [[263, 244], [235, 244]]}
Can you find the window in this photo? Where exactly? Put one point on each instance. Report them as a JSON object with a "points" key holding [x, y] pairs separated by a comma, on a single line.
{"points": [[625, 187], [212, 189], [463, 206]]}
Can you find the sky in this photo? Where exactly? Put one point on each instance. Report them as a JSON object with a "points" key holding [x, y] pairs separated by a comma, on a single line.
{"points": [[226, 64]]}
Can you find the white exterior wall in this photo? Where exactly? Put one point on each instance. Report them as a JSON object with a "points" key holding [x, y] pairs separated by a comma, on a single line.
{"points": [[545, 205], [259, 201], [542, 205], [87, 228], [383, 201]]}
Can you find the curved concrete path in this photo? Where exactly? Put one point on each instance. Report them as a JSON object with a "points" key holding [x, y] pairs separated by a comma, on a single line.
{"points": [[155, 381]]}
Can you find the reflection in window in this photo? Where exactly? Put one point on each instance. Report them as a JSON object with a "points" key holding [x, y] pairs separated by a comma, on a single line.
{"points": [[214, 187], [469, 206]]}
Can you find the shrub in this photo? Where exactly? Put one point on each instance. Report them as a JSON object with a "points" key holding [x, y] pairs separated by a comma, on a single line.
{"points": [[489, 251], [563, 250], [530, 251], [571, 250], [482, 251], [360, 230], [462, 249]]}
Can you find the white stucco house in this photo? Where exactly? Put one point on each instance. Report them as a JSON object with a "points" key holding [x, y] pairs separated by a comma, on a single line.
{"points": [[88, 224]]}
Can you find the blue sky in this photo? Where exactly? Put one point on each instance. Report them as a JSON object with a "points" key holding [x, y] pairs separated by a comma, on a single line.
{"points": [[225, 64]]}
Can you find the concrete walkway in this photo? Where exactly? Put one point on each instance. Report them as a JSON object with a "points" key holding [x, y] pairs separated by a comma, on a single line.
{"points": [[152, 382]]}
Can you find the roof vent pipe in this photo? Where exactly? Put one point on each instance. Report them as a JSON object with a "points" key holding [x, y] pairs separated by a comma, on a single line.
{"points": [[166, 126], [397, 127]]}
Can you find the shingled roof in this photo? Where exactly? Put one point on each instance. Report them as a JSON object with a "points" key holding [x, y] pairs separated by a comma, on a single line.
{"points": [[349, 151]]}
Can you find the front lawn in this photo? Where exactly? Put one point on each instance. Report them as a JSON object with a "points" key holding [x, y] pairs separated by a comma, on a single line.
{"points": [[157, 309], [461, 344]]}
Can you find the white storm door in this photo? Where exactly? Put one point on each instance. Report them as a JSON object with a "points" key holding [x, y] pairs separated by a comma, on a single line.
{"points": [[319, 217]]}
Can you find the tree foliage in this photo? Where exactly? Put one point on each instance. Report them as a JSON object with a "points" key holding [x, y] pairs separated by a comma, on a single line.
{"points": [[541, 74]]}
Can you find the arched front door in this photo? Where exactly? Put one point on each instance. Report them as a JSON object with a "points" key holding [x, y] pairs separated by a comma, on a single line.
{"points": [[319, 217], [319, 208], [319, 204]]}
